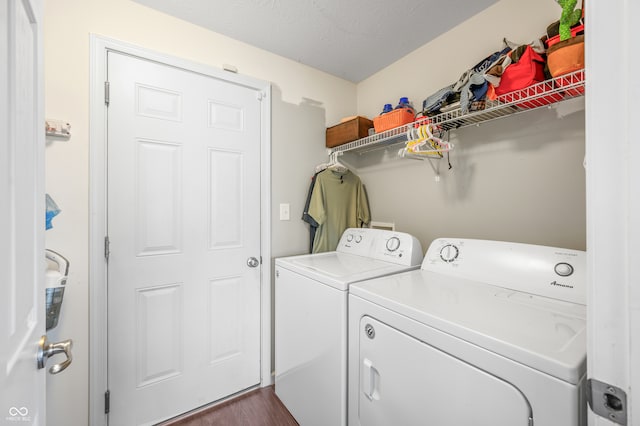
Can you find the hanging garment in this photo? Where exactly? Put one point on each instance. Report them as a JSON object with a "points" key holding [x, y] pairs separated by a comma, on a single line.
{"points": [[338, 202], [313, 225]]}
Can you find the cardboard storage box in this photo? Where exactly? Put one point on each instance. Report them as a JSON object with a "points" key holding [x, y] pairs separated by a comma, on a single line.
{"points": [[356, 128]]}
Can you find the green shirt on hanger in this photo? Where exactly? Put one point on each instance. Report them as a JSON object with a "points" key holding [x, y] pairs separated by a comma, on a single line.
{"points": [[338, 202]]}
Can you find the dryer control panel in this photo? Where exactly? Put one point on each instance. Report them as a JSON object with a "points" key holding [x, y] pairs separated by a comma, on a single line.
{"points": [[539, 270], [390, 246]]}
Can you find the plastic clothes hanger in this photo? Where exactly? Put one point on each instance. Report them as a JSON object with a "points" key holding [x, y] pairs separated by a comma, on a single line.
{"points": [[321, 167], [324, 166], [335, 165], [422, 137]]}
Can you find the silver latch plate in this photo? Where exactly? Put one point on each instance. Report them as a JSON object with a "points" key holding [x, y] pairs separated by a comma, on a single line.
{"points": [[607, 401]]}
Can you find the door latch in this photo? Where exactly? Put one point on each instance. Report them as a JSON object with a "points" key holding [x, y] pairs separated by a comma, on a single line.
{"points": [[607, 401]]}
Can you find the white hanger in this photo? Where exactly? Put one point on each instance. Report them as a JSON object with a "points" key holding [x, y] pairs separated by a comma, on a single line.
{"points": [[321, 167], [423, 136], [334, 164]]}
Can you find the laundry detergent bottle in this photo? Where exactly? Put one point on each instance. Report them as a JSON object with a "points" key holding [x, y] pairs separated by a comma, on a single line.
{"points": [[387, 108], [404, 103]]}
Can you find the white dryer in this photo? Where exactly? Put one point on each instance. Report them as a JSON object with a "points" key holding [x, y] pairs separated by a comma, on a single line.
{"points": [[311, 318], [485, 334]]}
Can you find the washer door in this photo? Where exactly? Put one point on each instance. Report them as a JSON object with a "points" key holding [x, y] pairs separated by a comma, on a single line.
{"points": [[404, 381]]}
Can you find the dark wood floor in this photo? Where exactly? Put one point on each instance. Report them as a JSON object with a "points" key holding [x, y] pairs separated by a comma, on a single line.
{"points": [[260, 407]]}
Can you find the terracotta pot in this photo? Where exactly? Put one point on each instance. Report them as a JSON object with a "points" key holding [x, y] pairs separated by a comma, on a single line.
{"points": [[566, 56]]}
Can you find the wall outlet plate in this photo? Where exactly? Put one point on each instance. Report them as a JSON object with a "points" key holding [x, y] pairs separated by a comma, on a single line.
{"points": [[285, 211]]}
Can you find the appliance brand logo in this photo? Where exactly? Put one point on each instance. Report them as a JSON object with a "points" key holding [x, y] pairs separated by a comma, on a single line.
{"points": [[557, 284], [18, 414]]}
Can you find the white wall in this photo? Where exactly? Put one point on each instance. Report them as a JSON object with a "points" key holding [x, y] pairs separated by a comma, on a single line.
{"points": [[517, 179], [297, 133]]}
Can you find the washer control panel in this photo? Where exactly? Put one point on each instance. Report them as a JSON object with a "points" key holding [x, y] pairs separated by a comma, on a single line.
{"points": [[390, 246], [351, 238], [393, 244], [449, 252], [545, 271]]}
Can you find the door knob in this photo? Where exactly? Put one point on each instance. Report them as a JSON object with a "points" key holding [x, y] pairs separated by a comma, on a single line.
{"points": [[252, 262], [47, 349]]}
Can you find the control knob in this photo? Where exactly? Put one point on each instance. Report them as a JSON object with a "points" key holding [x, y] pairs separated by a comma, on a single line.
{"points": [[449, 253], [393, 243], [563, 269]]}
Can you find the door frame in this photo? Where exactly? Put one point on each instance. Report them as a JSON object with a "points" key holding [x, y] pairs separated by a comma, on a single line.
{"points": [[100, 46], [613, 212]]}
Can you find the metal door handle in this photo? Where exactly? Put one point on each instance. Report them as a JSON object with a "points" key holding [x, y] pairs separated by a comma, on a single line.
{"points": [[47, 349], [252, 262]]}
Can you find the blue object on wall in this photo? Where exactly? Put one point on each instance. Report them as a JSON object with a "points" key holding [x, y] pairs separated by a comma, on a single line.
{"points": [[52, 211]]}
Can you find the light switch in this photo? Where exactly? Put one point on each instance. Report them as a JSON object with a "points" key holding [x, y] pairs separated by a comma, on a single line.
{"points": [[284, 211]]}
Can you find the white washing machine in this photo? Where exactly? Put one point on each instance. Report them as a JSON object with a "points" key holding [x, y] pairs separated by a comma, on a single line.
{"points": [[311, 318], [485, 334]]}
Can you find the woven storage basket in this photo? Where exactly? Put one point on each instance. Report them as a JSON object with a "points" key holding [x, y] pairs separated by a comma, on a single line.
{"points": [[393, 119]]}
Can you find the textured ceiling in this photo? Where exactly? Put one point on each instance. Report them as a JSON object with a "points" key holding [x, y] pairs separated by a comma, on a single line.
{"points": [[351, 39]]}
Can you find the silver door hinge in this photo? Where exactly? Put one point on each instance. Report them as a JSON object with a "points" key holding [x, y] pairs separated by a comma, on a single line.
{"points": [[107, 401], [106, 248], [607, 401], [106, 93], [261, 95]]}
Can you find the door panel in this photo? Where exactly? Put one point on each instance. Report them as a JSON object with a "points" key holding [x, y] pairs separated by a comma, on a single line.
{"points": [[183, 218], [159, 333], [158, 195], [226, 195], [22, 213], [405, 381]]}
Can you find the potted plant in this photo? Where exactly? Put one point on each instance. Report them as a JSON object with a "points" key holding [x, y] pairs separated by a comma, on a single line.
{"points": [[565, 52]]}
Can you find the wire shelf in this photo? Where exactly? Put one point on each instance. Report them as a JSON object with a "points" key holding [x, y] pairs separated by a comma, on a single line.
{"points": [[545, 93]]}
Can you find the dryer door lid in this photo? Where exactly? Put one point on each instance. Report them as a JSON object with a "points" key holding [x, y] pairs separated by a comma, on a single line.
{"points": [[543, 333]]}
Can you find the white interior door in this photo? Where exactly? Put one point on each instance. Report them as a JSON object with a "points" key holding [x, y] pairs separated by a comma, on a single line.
{"points": [[21, 213], [184, 230]]}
